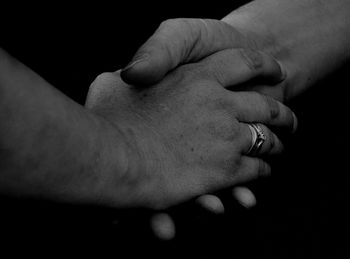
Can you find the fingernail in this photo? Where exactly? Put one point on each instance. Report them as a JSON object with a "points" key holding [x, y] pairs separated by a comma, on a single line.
{"points": [[136, 60]]}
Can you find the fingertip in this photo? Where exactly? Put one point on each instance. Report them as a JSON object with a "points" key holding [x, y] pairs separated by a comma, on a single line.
{"points": [[134, 72], [211, 203], [163, 226], [142, 72], [244, 196], [136, 60]]}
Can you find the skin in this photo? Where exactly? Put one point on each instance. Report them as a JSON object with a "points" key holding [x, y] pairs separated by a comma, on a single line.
{"points": [[310, 41], [304, 63], [190, 138], [267, 69], [50, 146], [152, 148], [182, 41]]}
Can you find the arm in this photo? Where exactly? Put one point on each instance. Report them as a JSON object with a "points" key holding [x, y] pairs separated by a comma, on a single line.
{"points": [[50, 146], [130, 148], [310, 38]]}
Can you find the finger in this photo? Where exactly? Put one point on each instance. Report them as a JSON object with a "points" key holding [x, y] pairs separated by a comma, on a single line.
{"points": [[231, 67], [211, 203], [179, 41], [271, 146], [244, 196], [102, 87], [252, 168], [163, 226], [255, 107]]}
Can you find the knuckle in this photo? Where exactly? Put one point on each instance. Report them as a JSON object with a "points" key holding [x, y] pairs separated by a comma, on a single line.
{"points": [[227, 159], [100, 82], [172, 23], [253, 59], [223, 123], [224, 128], [166, 23], [231, 129], [104, 77]]}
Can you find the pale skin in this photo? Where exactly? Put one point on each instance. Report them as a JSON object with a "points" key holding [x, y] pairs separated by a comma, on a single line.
{"points": [[187, 132], [309, 39], [284, 37], [105, 87], [185, 136]]}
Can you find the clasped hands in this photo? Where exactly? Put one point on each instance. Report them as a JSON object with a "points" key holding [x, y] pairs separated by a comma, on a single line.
{"points": [[182, 107]]}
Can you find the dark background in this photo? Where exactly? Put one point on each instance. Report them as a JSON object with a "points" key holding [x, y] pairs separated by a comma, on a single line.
{"points": [[301, 211]]}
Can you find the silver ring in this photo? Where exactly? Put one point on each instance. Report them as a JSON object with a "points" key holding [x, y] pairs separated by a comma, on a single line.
{"points": [[258, 138]]}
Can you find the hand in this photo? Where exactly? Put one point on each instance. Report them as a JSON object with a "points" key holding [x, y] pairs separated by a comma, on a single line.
{"points": [[302, 53], [182, 41], [100, 91], [163, 225], [186, 135]]}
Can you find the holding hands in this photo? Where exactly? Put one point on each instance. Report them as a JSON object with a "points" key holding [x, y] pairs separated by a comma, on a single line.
{"points": [[188, 133], [178, 122]]}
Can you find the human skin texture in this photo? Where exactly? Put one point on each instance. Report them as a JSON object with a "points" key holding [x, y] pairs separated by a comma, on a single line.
{"points": [[309, 39], [154, 148]]}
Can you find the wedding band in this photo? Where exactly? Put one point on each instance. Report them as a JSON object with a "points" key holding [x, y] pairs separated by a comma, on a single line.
{"points": [[258, 138]]}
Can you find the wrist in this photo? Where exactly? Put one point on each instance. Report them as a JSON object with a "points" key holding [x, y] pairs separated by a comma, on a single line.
{"points": [[125, 181], [309, 38], [112, 166]]}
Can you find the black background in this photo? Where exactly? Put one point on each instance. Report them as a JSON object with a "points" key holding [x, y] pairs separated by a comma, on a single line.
{"points": [[301, 211]]}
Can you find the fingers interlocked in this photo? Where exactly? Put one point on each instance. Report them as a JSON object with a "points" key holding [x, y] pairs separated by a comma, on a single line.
{"points": [[226, 60]]}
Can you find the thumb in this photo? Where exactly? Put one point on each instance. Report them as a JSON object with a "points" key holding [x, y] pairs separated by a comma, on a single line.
{"points": [[175, 42]]}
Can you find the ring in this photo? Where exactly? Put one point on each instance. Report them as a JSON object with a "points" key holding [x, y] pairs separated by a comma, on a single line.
{"points": [[258, 138]]}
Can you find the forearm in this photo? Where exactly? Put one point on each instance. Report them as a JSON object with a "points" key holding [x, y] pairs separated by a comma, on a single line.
{"points": [[49, 145], [309, 37]]}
